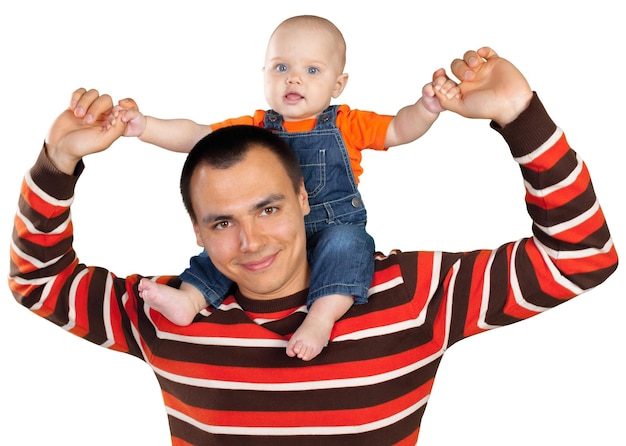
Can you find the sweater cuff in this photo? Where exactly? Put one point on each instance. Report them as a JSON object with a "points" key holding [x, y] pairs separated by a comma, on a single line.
{"points": [[529, 130], [51, 180]]}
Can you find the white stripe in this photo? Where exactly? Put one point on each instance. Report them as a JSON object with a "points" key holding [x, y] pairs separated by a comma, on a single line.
{"points": [[541, 149], [569, 180], [36, 281], [299, 430], [579, 254], [434, 283], [339, 383], [556, 273], [405, 325], [43, 195], [450, 302], [210, 340], [33, 230], [378, 331], [517, 291], [261, 320], [385, 285], [44, 295], [35, 262], [566, 225], [71, 302], [106, 313], [138, 338], [228, 342], [484, 302]]}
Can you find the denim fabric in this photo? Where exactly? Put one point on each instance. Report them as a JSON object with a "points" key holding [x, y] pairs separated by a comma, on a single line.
{"points": [[339, 249], [203, 275]]}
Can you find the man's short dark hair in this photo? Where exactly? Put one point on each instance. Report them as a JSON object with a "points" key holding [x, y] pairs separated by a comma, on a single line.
{"points": [[228, 146]]}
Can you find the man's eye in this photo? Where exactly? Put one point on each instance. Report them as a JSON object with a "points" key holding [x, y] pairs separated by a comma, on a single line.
{"points": [[222, 225], [313, 70], [269, 210], [281, 67]]}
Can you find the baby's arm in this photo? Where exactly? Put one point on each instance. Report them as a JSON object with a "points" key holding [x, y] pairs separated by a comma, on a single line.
{"points": [[412, 121], [177, 135]]}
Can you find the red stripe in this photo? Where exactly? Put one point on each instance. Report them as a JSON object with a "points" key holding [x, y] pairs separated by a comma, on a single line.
{"points": [[39, 204], [278, 419], [562, 196], [551, 156]]}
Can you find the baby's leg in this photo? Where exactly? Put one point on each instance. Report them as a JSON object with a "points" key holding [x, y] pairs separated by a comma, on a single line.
{"points": [[178, 305], [313, 335], [342, 266]]}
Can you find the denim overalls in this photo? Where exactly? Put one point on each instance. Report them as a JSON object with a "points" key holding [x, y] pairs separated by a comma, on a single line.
{"points": [[339, 249]]}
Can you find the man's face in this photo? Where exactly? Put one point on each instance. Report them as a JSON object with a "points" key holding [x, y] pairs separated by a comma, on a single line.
{"points": [[251, 222]]}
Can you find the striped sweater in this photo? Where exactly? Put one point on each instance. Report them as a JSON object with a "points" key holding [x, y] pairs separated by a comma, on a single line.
{"points": [[226, 379]]}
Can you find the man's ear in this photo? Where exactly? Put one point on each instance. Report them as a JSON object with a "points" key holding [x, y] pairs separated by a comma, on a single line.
{"points": [[342, 80], [303, 198], [196, 231]]}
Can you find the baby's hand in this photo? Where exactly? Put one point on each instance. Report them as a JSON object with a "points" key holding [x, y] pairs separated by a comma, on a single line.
{"points": [[444, 86], [129, 114]]}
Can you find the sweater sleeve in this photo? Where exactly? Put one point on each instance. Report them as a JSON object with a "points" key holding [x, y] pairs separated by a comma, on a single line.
{"points": [[570, 252], [46, 276]]}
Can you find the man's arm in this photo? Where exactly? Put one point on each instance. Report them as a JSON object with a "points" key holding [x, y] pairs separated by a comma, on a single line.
{"points": [[571, 250], [45, 273]]}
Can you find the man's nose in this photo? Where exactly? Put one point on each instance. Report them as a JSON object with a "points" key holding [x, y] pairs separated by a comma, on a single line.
{"points": [[250, 237]]}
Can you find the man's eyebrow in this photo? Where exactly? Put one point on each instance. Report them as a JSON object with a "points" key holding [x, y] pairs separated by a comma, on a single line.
{"points": [[273, 198], [270, 199]]}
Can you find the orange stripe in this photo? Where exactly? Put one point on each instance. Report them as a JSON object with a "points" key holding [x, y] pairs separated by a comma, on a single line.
{"points": [[551, 156], [591, 263], [544, 275], [276, 419], [37, 203], [562, 196], [411, 440], [476, 292], [581, 231], [346, 370]]}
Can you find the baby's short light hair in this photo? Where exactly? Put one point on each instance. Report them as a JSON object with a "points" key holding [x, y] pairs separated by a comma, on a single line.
{"points": [[315, 22]]}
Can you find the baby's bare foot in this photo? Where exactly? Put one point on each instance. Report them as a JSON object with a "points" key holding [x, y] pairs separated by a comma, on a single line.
{"points": [[310, 338], [173, 303]]}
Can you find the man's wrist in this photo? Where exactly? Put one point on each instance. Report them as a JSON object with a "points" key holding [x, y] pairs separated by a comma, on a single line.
{"points": [[53, 181], [515, 108], [64, 164], [529, 130]]}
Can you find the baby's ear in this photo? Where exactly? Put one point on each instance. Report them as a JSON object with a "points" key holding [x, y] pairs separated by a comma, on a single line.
{"points": [[342, 80]]}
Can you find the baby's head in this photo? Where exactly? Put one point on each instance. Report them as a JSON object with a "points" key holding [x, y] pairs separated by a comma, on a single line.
{"points": [[321, 30], [304, 66]]}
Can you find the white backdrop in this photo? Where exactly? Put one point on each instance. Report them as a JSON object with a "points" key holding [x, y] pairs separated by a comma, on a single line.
{"points": [[555, 379]]}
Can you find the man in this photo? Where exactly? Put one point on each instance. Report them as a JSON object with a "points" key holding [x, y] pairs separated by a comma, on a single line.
{"points": [[224, 378]]}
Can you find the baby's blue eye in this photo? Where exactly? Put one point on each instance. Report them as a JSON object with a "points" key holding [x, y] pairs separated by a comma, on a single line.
{"points": [[312, 70], [281, 67]]}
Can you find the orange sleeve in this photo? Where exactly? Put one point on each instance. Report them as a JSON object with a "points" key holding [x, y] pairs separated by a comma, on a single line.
{"points": [[256, 120], [362, 130]]}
